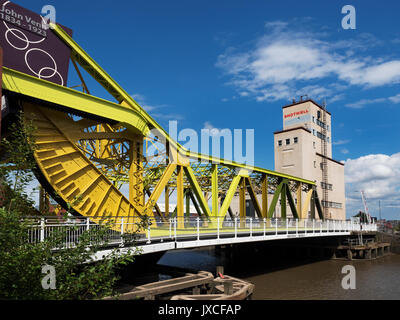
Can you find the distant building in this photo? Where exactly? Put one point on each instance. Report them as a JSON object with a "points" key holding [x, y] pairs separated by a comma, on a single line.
{"points": [[304, 149]]}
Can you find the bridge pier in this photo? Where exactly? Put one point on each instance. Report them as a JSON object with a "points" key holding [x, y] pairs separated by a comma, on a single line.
{"points": [[349, 254]]}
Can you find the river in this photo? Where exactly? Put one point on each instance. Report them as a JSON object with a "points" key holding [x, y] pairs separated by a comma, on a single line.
{"points": [[306, 280]]}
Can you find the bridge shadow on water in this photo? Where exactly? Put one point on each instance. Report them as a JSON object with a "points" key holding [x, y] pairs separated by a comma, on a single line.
{"points": [[239, 260]]}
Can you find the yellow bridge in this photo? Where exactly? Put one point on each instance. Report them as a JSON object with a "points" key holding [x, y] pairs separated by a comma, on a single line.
{"points": [[87, 147]]}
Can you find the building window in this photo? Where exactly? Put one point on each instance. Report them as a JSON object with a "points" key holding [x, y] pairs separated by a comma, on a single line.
{"points": [[330, 204], [314, 144], [326, 186], [296, 139], [315, 164], [287, 141], [321, 136], [280, 143]]}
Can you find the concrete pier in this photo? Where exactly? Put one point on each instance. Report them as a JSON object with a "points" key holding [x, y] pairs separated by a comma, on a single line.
{"points": [[368, 251]]}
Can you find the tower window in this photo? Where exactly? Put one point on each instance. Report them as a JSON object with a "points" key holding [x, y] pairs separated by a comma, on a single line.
{"points": [[296, 139], [287, 141], [280, 143], [314, 144]]}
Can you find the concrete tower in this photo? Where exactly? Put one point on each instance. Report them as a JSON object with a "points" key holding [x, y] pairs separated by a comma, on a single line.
{"points": [[304, 149]]}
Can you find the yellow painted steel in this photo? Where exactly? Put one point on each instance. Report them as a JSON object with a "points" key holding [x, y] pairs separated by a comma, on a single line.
{"points": [[306, 205], [180, 197], [214, 190], [197, 191], [166, 196], [229, 196], [151, 202], [253, 197], [76, 179], [71, 175], [242, 201], [136, 188], [27, 85], [299, 200], [264, 193], [24, 84]]}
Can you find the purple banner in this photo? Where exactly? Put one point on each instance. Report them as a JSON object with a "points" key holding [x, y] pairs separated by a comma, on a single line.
{"points": [[30, 48]]}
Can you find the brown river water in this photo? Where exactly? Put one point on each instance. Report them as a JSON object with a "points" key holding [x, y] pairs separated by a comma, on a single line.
{"points": [[285, 279]]}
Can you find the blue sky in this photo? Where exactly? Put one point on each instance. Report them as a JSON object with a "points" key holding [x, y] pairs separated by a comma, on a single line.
{"points": [[234, 64]]}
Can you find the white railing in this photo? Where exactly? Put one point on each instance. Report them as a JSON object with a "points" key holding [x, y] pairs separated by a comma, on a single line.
{"points": [[189, 229]]}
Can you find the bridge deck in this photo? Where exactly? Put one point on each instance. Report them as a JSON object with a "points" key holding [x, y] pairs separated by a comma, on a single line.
{"points": [[166, 236]]}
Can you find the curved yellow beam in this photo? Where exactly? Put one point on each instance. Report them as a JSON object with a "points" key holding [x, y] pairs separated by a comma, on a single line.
{"points": [[121, 95]]}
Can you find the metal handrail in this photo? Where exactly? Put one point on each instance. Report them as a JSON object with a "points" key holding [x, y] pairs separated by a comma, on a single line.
{"points": [[175, 229]]}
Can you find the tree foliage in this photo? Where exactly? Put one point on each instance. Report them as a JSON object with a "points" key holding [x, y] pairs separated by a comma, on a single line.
{"points": [[77, 274]]}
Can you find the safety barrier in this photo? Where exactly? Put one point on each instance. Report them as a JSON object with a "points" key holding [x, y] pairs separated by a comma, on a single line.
{"points": [[193, 231]]}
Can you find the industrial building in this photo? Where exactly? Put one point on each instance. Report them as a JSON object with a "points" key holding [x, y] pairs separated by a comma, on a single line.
{"points": [[304, 149]]}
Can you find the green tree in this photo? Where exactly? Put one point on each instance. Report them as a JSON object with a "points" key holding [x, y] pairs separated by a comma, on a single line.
{"points": [[22, 257]]}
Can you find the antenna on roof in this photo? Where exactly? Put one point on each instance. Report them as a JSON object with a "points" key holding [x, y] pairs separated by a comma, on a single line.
{"points": [[324, 103], [301, 97]]}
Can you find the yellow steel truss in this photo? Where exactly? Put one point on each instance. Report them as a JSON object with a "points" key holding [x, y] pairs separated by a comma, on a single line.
{"points": [[89, 147]]}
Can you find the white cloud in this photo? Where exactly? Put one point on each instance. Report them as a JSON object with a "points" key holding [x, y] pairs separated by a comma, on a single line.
{"points": [[213, 130], [208, 125], [363, 102], [344, 151], [285, 62], [168, 116], [340, 142], [395, 99], [381, 74], [142, 101], [377, 174]]}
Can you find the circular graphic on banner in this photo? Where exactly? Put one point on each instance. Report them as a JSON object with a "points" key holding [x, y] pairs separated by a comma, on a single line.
{"points": [[47, 72], [12, 31]]}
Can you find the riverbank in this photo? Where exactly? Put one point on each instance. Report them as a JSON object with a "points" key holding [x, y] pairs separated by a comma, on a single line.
{"points": [[375, 280], [287, 278], [393, 239]]}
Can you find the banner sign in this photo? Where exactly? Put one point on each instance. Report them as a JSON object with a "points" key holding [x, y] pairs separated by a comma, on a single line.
{"points": [[296, 114], [297, 120], [30, 48]]}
